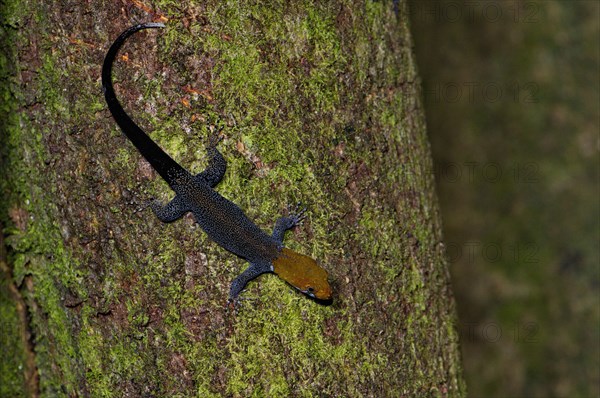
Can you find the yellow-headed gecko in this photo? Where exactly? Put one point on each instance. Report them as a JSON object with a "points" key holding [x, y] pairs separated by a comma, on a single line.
{"points": [[224, 222]]}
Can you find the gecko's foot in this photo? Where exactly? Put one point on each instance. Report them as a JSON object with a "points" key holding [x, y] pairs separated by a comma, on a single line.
{"points": [[297, 215], [234, 304], [145, 204], [214, 139], [231, 305], [153, 204]]}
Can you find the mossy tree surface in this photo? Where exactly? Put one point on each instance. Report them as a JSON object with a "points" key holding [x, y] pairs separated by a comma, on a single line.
{"points": [[318, 104]]}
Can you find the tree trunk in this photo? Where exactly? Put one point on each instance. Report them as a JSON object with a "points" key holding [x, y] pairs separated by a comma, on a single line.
{"points": [[318, 104]]}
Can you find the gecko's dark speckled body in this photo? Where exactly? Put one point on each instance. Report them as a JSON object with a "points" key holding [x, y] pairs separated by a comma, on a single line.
{"points": [[224, 222]]}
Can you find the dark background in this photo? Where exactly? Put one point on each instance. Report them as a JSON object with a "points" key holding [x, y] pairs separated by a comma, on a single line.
{"points": [[511, 93]]}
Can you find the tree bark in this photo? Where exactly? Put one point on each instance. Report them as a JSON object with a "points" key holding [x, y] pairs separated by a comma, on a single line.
{"points": [[318, 104]]}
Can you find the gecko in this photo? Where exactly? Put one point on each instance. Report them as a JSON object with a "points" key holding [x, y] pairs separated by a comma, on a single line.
{"points": [[222, 220]]}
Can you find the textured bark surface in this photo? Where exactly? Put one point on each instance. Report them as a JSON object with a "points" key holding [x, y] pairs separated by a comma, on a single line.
{"points": [[319, 104]]}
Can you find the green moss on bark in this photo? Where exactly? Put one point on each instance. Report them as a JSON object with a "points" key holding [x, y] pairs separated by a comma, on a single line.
{"points": [[13, 361], [317, 104]]}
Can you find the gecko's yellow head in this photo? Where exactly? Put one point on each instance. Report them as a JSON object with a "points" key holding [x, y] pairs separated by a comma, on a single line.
{"points": [[303, 273]]}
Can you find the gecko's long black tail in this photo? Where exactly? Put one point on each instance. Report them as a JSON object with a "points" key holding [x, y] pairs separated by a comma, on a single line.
{"points": [[168, 168]]}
